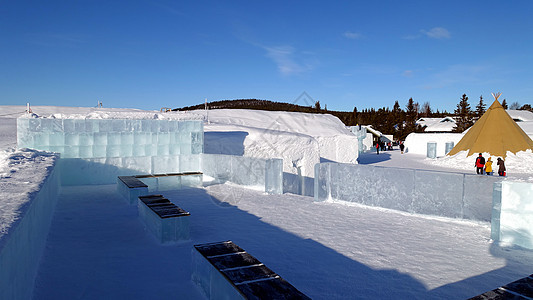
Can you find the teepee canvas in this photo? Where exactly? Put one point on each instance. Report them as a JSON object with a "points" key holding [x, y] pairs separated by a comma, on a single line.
{"points": [[496, 133]]}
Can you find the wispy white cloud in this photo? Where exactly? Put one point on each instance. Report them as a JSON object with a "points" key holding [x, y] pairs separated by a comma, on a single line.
{"points": [[352, 35], [437, 33], [434, 33], [408, 73], [284, 58]]}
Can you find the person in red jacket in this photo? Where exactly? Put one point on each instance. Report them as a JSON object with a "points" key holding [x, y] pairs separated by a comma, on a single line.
{"points": [[480, 163]]}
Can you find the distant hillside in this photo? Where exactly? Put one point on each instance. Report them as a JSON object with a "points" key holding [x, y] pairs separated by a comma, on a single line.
{"points": [[253, 104], [383, 119]]}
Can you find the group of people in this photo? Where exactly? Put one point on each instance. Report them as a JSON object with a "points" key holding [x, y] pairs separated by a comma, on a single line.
{"points": [[383, 146], [481, 165]]}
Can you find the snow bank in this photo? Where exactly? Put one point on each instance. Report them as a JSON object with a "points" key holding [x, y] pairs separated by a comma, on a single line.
{"points": [[301, 139]]}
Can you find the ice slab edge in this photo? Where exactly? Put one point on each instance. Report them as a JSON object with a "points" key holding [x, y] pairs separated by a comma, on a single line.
{"points": [[21, 248], [512, 217], [444, 194]]}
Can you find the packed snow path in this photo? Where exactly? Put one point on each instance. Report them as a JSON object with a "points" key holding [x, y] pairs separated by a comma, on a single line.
{"points": [[98, 248]]}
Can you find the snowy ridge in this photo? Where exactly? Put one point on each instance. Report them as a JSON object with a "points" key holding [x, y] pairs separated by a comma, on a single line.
{"points": [[23, 176]]}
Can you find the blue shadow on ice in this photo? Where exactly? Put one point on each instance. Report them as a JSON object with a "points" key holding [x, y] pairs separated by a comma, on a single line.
{"points": [[224, 142]]}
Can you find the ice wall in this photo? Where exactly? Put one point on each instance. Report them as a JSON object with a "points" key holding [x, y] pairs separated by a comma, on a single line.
{"points": [[264, 174], [90, 138], [453, 195], [417, 142], [512, 216], [22, 242], [81, 171]]}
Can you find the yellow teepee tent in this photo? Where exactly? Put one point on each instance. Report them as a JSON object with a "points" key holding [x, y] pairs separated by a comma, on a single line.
{"points": [[495, 132]]}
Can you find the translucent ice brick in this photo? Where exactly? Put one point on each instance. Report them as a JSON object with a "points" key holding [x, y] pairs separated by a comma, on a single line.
{"points": [[146, 125], [154, 126], [174, 149], [189, 163], [23, 125], [141, 165], [163, 138], [99, 151], [126, 150], [105, 125], [100, 138], [113, 138], [248, 171], [153, 138], [46, 125], [57, 139], [438, 193], [197, 148], [85, 151], [71, 152], [136, 125], [79, 124], [274, 176], [516, 217], [162, 150], [41, 140], [138, 150], [91, 125], [119, 125], [165, 164], [150, 150], [163, 125], [126, 138], [69, 126], [25, 140], [185, 148], [86, 139], [35, 125], [173, 126], [139, 138], [174, 138], [72, 139], [113, 151]]}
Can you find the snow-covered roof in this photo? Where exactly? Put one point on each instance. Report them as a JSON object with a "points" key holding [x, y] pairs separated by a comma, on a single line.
{"points": [[445, 124], [520, 115]]}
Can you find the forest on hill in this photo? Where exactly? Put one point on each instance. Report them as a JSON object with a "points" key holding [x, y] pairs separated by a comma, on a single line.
{"points": [[398, 121]]}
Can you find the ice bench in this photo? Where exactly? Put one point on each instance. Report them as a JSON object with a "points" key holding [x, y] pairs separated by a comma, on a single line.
{"points": [[131, 187], [166, 221], [225, 271], [520, 289]]}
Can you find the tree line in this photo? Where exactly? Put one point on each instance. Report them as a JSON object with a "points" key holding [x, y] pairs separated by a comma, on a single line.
{"points": [[397, 121]]}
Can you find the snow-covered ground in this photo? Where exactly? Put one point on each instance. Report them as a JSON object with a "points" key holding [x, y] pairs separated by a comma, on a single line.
{"points": [[97, 248]]}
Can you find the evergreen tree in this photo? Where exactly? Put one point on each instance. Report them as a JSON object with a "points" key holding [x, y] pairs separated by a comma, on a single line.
{"points": [[426, 110], [504, 104], [463, 114], [526, 107], [410, 117], [480, 108], [317, 105], [515, 105]]}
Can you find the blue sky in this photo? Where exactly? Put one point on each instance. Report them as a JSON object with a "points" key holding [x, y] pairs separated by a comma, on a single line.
{"points": [[153, 54]]}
